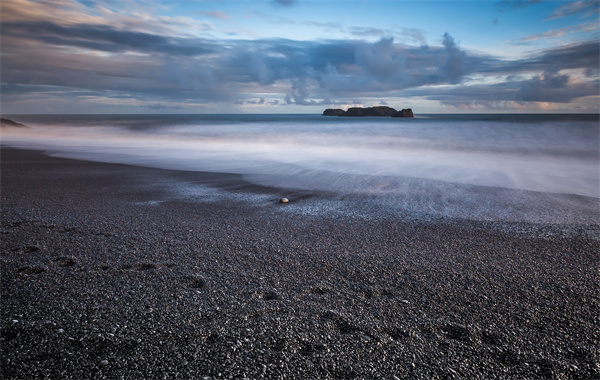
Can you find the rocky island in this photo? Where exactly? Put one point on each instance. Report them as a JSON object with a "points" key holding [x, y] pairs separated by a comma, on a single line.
{"points": [[369, 111]]}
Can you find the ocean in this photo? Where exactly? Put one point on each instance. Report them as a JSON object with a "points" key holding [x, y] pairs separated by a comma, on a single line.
{"points": [[501, 168]]}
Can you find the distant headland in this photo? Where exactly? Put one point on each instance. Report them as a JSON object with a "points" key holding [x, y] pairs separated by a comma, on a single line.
{"points": [[9, 123], [369, 111]]}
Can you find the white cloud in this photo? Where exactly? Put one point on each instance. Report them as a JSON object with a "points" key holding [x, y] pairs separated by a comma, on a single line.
{"points": [[560, 32], [156, 60], [576, 7], [216, 14]]}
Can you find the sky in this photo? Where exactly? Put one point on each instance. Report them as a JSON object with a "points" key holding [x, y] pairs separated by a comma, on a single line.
{"points": [[298, 56]]}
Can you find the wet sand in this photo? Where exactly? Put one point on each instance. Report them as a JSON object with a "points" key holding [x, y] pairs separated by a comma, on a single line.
{"points": [[106, 273]]}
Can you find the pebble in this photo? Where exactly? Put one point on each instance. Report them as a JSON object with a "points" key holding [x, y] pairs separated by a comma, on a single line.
{"points": [[284, 200], [199, 325]]}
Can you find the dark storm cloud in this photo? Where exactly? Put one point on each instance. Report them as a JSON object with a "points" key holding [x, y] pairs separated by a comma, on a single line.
{"points": [[163, 77], [585, 55], [551, 87], [45, 57], [455, 67], [380, 60], [268, 61], [547, 87], [577, 56], [104, 38]]}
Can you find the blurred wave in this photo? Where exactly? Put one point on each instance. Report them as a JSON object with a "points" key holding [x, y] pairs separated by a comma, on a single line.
{"points": [[541, 153]]}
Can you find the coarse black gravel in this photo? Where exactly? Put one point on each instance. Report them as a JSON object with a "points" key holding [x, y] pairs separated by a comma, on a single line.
{"points": [[107, 275]]}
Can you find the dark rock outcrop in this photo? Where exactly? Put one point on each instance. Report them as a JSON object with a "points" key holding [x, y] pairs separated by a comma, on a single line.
{"points": [[404, 113], [9, 123], [333, 112], [370, 111]]}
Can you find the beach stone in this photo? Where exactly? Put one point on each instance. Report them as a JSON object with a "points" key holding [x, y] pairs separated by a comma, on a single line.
{"points": [[269, 295], [29, 249], [311, 264], [31, 270], [143, 266], [64, 262], [284, 200], [196, 282]]}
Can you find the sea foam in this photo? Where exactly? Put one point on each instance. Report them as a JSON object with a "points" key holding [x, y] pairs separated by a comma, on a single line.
{"points": [[540, 169]]}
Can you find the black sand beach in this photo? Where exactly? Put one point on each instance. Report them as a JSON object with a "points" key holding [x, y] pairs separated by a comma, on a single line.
{"points": [[106, 274]]}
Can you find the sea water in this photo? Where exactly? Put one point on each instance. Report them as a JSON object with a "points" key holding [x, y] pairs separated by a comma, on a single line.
{"points": [[533, 168]]}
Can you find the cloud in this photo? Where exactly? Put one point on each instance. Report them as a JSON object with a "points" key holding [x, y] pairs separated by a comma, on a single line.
{"points": [[543, 88], [89, 59], [549, 34], [505, 105], [216, 14], [397, 32], [298, 93], [585, 56], [455, 66], [512, 4], [552, 87], [368, 31], [105, 38], [576, 7], [413, 34], [50, 10], [286, 3], [304, 72], [159, 106], [259, 101], [138, 16], [560, 32], [380, 60]]}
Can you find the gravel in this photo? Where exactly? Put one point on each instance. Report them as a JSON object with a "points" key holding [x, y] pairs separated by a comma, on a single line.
{"points": [[106, 274]]}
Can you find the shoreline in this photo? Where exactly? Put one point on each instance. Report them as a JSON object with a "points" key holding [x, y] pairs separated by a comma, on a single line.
{"points": [[509, 213], [106, 274]]}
